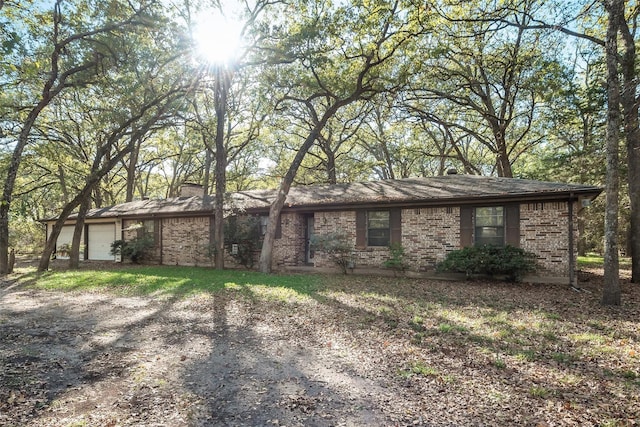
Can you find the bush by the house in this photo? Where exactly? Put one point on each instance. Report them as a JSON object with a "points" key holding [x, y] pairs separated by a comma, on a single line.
{"points": [[63, 250], [396, 260], [243, 232], [134, 249], [490, 260], [337, 246]]}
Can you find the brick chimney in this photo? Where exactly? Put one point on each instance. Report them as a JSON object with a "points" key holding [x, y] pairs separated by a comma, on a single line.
{"points": [[189, 189]]}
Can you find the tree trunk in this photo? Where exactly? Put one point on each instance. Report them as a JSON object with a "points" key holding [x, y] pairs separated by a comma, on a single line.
{"points": [[632, 134], [84, 194], [131, 167], [633, 178], [74, 255], [266, 254], [12, 260], [55, 83], [582, 240], [97, 173], [50, 245], [503, 163], [12, 173], [208, 161], [220, 97], [330, 165], [332, 176], [387, 160], [504, 166], [63, 184], [611, 289]]}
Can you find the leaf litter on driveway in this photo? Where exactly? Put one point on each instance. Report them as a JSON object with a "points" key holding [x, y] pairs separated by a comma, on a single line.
{"points": [[356, 351]]}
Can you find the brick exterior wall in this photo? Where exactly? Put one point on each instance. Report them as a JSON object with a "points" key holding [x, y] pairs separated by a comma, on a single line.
{"points": [[191, 190], [335, 222], [544, 230], [185, 241], [427, 235], [289, 249]]}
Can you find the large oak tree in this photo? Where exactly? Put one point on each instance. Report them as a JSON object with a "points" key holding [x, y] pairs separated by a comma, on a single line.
{"points": [[326, 58], [73, 52]]}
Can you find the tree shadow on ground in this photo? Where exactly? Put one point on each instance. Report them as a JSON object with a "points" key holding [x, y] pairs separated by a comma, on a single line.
{"points": [[66, 355], [259, 375], [332, 355]]}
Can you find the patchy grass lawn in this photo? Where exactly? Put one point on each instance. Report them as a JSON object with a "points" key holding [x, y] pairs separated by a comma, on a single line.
{"points": [[163, 280], [386, 351], [597, 261]]}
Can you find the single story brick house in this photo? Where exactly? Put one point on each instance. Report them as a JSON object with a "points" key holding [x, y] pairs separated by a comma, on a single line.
{"points": [[427, 216]]}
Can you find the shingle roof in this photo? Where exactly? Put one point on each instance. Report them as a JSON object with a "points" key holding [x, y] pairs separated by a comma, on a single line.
{"points": [[411, 191], [152, 206], [439, 188]]}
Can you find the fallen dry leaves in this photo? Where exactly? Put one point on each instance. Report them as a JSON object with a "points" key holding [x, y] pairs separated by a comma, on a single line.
{"points": [[357, 351]]}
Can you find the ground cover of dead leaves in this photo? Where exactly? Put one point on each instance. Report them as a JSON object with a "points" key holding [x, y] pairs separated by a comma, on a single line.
{"points": [[356, 351]]}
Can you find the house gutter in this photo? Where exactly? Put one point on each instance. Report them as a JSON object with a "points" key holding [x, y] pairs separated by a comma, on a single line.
{"points": [[438, 202], [572, 256]]}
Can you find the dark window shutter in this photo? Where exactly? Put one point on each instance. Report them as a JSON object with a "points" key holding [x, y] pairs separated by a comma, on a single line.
{"points": [[395, 223], [361, 229], [156, 231], [279, 228], [512, 225], [466, 226]]}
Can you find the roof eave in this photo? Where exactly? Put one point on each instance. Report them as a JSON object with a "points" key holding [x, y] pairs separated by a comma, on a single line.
{"points": [[590, 193], [567, 194]]}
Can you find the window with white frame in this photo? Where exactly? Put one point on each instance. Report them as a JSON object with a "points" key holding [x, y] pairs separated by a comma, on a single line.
{"points": [[378, 228], [489, 226]]}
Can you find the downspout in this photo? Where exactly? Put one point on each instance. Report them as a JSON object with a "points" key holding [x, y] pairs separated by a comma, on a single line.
{"points": [[85, 252], [572, 258], [158, 225], [212, 236]]}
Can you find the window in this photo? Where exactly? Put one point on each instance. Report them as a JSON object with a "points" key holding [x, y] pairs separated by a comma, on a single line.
{"points": [[489, 226], [498, 225], [378, 228], [147, 227], [264, 220]]}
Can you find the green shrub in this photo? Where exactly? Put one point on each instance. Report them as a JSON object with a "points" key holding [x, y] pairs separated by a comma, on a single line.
{"points": [[337, 246], [63, 250], [134, 249], [396, 260], [490, 260]]}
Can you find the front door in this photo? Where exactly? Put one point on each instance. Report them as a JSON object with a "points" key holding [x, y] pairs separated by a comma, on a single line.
{"points": [[309, 252]]}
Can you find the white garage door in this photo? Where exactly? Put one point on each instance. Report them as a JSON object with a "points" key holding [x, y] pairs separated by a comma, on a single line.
{"points": [[101, 236], [64, 238]]}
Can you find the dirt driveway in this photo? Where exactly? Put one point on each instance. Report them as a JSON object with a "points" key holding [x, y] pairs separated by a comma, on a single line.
{"points": [[380, 354], [98, 360]]}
